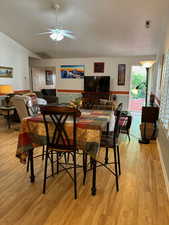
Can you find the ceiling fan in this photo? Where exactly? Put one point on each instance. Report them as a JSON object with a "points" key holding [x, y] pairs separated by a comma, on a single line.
{"points": [[58, 33]]}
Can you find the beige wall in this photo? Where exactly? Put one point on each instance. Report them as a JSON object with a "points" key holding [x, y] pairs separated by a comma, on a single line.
{"points": [[12, 54], [16, 56], [111, 69]]}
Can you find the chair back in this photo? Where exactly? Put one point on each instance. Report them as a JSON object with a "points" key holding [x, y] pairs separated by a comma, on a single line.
{"points": [[19, 102], [32, 104], [128, 125], [59, 134], [117, 114], [24, 106]]}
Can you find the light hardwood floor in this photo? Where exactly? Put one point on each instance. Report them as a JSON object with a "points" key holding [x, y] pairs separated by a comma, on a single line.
{"points": [[142, 199]]}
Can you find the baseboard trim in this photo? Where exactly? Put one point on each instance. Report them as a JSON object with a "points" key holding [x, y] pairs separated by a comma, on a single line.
{"points": [[163, 169]]}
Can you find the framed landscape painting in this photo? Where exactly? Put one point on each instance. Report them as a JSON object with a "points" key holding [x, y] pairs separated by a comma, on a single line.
{"points": [[6, 71], [72, 71]]}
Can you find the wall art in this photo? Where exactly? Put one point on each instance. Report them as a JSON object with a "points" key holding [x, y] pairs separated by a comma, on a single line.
{"points": [[121, 74], [99, 67], [6, 71], [72, 71]]}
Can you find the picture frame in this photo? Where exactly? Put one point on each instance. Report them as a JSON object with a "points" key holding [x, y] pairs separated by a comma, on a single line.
{"points": [[72, 71], [99, 67], [6, 72], [49, 77], [121, 74]]}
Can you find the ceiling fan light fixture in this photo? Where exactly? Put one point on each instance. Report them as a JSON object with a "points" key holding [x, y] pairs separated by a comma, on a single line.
{"points": [[53, 36], [57, 36]]}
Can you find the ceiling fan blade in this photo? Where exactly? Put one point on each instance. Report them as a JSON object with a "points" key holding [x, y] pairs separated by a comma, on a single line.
{"points": [[49, 32], [69, 36], [55, 30], [67, 31]]}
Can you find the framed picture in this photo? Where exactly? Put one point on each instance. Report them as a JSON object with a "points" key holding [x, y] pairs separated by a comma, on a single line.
{"points": [[121, 74], [99, 67], [6, 71], [72, 71], [49, 77]]}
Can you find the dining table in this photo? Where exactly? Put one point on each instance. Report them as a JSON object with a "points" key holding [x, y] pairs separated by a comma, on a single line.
{"points": [[89, 126]]}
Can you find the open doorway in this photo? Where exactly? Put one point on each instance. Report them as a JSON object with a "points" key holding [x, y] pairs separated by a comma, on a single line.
{"points": [[137, 88], [137, 98]]}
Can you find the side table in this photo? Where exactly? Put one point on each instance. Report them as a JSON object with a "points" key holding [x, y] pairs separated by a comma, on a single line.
{"points": [[7, 112]]}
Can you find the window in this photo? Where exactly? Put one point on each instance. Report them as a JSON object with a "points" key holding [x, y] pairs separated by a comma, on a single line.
{"points": [[164, 105]]}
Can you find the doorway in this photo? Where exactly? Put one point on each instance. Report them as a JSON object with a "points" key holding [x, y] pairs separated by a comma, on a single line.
{"points": [[137, 88], [137, 98]]}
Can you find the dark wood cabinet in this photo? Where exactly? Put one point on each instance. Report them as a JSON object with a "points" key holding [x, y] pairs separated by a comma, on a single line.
{"points": [[149, 114]]}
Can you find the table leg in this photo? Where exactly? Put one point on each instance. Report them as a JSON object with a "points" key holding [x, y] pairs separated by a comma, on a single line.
{"points": [[8, 120], [107, 149], [84, 166], [93, 189], [32, 176]]}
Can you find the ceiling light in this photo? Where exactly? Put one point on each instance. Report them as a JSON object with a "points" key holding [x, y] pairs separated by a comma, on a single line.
{"points": [[53, 36], [57, 36]]}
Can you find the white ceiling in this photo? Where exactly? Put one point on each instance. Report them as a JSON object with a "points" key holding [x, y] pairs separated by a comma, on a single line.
{"points": [[102, 28]]}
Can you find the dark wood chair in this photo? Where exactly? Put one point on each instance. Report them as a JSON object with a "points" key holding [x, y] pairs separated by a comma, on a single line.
{"points": [[59, 142], [125, 122], [109, 140]]}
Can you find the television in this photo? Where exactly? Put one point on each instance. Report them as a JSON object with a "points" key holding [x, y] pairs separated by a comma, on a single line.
{"points": [[97, 83]]}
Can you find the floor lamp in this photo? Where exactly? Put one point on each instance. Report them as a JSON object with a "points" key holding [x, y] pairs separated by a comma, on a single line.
{"points": [[147, 65]]}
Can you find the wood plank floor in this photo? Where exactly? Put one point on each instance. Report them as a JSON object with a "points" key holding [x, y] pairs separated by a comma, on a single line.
{"points": [[142, 199]]}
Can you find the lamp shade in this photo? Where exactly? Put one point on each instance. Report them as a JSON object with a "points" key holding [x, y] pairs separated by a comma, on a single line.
{"points": [[147, 63], [6, 89]]}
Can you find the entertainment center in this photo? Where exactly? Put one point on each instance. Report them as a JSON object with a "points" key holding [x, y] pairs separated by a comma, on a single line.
{"points": [[96, 92]]}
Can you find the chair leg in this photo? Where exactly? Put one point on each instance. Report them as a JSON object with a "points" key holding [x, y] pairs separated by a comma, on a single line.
{"points": [[57, 159], [128, 135], [118, 159], [75, 183], [31, 165], [116, 171], [43, 152], [52, 167], [91, 163], [94, 162], [65, 157], [107, 155], [27, 168], [45, 172], [84, 166]]}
